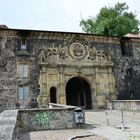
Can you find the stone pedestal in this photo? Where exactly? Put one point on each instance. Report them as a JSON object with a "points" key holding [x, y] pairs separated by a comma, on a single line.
{"points": [[43, 101]]}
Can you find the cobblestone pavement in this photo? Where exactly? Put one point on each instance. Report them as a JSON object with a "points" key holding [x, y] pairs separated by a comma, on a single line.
{"points": [[96, 124]]}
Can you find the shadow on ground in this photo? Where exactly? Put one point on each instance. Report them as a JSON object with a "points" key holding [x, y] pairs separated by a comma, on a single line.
{"points": [[24, 135]]}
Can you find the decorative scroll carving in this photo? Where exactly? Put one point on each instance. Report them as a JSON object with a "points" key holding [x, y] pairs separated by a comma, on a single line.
{"points": [[62, 53], [99, 55], [42, 56], [76, 38], [92, 53], [89, 55], [51, 51]]}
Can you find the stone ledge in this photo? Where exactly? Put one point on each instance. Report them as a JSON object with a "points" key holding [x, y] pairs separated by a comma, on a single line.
{"points": [[45, 109], [58, 106], [8, 120]]}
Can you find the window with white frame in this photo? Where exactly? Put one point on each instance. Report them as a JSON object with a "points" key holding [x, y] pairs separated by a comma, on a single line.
{"points": [[23, 44], [23, 93], [23, 70]]}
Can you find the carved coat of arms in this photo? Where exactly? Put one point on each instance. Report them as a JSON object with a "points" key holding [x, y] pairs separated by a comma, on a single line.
{"points": [[77, 50]]}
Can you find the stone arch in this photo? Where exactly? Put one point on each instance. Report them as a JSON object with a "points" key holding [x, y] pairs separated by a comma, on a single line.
{"points": [[80, 76], [78, 92]]}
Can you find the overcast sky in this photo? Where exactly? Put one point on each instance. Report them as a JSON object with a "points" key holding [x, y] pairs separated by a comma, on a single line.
{"points": [[54, 15]]}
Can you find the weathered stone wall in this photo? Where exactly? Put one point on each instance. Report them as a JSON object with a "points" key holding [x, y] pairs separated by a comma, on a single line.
{"points": [[128, 105], [45, 119], [127, 71], [7, 72], [126, 67], [10, 56]]}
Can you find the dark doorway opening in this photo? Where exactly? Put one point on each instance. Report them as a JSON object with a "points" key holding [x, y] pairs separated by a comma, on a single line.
{"points": [[78, 93], [53, 95]]}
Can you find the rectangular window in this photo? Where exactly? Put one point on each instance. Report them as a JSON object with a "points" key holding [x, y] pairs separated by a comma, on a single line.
{"points": [[23, 93], [126, 48], [23, 70], [23, 44]]}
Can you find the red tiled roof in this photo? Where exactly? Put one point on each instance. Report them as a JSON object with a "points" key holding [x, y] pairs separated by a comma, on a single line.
{"points": [[133, 35]]}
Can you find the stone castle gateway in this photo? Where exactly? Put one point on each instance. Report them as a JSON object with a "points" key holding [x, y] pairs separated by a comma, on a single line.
{"points": [[69, 75], [39, 67]]}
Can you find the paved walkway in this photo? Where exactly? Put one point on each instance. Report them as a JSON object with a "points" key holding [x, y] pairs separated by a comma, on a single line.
{"points": [[96, 125], [60, 135], [113, 131]]}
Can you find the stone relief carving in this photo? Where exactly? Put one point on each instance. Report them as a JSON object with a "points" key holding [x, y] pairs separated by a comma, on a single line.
{"points": [[77, 38], [42, 56], [51, 52], [77, 50], [109, 57], [100, 55], [63, 53], [92, 53]]}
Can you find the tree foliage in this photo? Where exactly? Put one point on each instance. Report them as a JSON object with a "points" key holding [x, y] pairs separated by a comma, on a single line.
{"points": [[113, 21]]}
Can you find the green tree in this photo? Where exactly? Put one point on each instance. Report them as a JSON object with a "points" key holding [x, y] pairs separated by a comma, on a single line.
{"points": [[113, 21]]}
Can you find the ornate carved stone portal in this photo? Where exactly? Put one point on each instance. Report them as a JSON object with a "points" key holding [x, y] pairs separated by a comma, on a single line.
{"points": [[81, 75]]}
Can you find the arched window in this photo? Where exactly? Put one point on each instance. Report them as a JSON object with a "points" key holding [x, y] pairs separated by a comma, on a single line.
{"points": [[53, 95]]}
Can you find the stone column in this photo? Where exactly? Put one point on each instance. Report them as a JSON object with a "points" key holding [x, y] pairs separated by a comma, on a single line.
{"points": [[62, 94], [93, 92], [43, 98], [97, 88]]}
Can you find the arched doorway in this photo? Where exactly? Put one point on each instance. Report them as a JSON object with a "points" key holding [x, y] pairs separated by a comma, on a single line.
{"points": [[78, 93], [53, 95]]}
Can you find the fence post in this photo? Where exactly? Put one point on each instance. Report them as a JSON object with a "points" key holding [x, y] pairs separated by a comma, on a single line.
{"points": [[122, 120], [107, 119]]}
